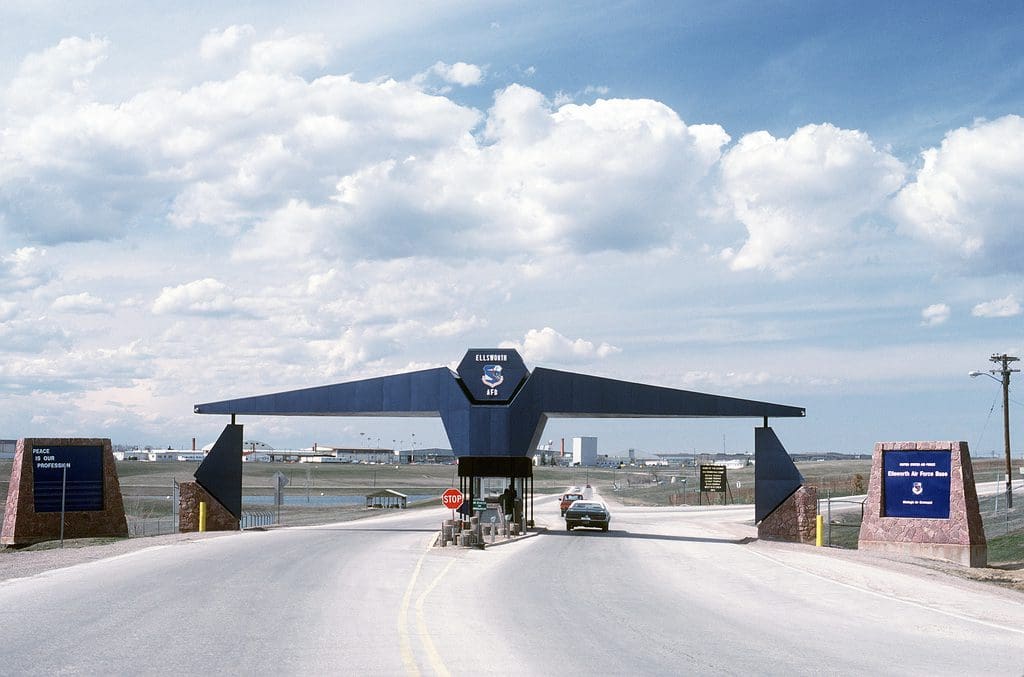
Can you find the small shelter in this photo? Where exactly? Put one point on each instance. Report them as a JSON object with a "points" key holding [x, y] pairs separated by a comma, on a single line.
{"points": [[387, 498]]}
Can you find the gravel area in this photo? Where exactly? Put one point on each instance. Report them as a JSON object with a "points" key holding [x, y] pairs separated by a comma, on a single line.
{"points": [[21, 563]]}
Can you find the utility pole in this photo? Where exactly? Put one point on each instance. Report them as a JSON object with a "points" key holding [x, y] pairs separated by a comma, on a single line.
{"points": [[1005, 372]]}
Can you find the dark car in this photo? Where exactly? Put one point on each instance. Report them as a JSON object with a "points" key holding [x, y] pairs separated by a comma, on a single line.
{"points": [[587, 514], [567, 500]]}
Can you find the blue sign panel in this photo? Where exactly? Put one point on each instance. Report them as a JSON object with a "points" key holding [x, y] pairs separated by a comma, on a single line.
{"points": [[916, 483], [82, 487], [492, 375]]}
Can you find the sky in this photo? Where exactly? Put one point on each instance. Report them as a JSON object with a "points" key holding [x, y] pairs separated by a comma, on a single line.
{"points": [[815, 204]]}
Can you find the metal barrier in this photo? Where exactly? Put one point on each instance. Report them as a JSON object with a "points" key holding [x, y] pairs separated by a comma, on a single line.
{"points": [[158, 526], [829, 522], [151, 526], [258, 518]]}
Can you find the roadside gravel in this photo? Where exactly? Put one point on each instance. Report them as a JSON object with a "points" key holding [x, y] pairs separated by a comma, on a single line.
{"points": [[22, 563]]}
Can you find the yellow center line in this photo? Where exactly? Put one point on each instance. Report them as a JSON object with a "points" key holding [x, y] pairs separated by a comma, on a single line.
{"points": [[421, 625], [405, 645]]}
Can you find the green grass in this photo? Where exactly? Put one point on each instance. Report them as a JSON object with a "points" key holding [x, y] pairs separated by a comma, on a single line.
{"points": [[1006, 549]]}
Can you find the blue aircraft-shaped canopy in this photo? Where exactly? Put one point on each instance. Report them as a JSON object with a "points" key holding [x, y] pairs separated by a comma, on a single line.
{"points": [[493, 405]]}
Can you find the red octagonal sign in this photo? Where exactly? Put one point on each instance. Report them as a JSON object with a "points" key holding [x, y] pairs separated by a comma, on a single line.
{"points": [[451, 499]]}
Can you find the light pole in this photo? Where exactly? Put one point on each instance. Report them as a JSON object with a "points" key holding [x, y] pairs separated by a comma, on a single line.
{"points": [[1004, 372]]}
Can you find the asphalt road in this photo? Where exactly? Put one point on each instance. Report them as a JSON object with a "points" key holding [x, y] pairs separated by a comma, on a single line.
{"points": [[665, 591]]}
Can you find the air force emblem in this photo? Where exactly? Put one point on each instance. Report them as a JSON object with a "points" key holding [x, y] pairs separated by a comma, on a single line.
{"points": [[492, 377], [917, 489]]}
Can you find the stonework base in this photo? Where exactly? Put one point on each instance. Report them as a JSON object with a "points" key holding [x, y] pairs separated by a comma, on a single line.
{"points": [[22, 525], [960, 538], [794, 520], [218, 518], [965, 555]]}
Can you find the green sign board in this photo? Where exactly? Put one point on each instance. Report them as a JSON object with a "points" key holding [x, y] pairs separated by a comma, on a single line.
{"points": [[713, 479], [479, 504]]}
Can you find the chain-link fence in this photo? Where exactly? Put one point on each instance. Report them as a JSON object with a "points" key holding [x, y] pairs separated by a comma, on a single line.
{"points": [[842, 516], [151, 526]]}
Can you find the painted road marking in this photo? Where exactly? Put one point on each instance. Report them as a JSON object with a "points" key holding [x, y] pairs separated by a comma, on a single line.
{"points": [[405, 642]]}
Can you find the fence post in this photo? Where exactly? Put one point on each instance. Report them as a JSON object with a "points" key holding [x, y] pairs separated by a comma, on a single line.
{"points": [[829, 503]]}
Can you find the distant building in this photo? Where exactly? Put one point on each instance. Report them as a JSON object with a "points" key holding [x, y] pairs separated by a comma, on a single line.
{"points": [[7, 448], [169, 455], [584, 451]]}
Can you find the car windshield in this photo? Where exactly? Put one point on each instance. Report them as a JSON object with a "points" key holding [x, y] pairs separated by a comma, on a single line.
{"points": [[587, 506]]}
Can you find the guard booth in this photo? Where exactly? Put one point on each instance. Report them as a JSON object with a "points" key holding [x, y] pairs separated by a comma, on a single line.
{"points": [[485, 477]]}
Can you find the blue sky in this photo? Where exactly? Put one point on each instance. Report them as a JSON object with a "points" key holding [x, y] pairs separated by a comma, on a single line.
{"points": [[810, 203]]}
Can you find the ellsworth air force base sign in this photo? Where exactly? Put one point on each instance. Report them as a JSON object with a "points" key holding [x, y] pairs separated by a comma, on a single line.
{"points": [[922, 502]]}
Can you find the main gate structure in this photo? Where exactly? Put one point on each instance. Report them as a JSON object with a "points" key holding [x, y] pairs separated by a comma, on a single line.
{"points": [[494, 411]]}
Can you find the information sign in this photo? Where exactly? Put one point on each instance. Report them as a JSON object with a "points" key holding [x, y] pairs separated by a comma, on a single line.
{"points": [[452, 499], [916, 483], [479, 504], [713, 479], [81, 487]]}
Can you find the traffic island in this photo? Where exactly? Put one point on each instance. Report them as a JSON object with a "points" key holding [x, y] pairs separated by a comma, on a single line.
{"points": [[476, 533]]}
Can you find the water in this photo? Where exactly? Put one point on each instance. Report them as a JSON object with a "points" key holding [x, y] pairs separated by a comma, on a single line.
{"points": [[323, 501]]}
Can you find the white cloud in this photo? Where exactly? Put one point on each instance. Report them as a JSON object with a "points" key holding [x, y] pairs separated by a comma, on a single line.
{"points": [[1008, 306], [547, 345], [803, 197], [968, 196], [55, 77], [336, 167], [201, 297], [218, 44], [28, 333], [24, 268], [519, 114], [461, 73], [8, 310], [613, 175], [80, 303], [289, 54], [457, 326], [935, 314], [226, 153]]}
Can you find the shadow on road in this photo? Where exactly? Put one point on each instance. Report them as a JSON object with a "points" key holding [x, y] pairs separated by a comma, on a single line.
{"points": [[594, 533]]}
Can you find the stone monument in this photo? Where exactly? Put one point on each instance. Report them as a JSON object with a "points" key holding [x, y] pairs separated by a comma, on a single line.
{"points": [[74, 476], [922, 502], [218, 518], [794, 521]]}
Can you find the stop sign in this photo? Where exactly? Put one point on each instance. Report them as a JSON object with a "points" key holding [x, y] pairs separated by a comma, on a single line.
{"points": [[451, 499]]}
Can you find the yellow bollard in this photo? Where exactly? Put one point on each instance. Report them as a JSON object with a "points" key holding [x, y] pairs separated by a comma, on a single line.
{"points": [[819, 532], [202, 515]]}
